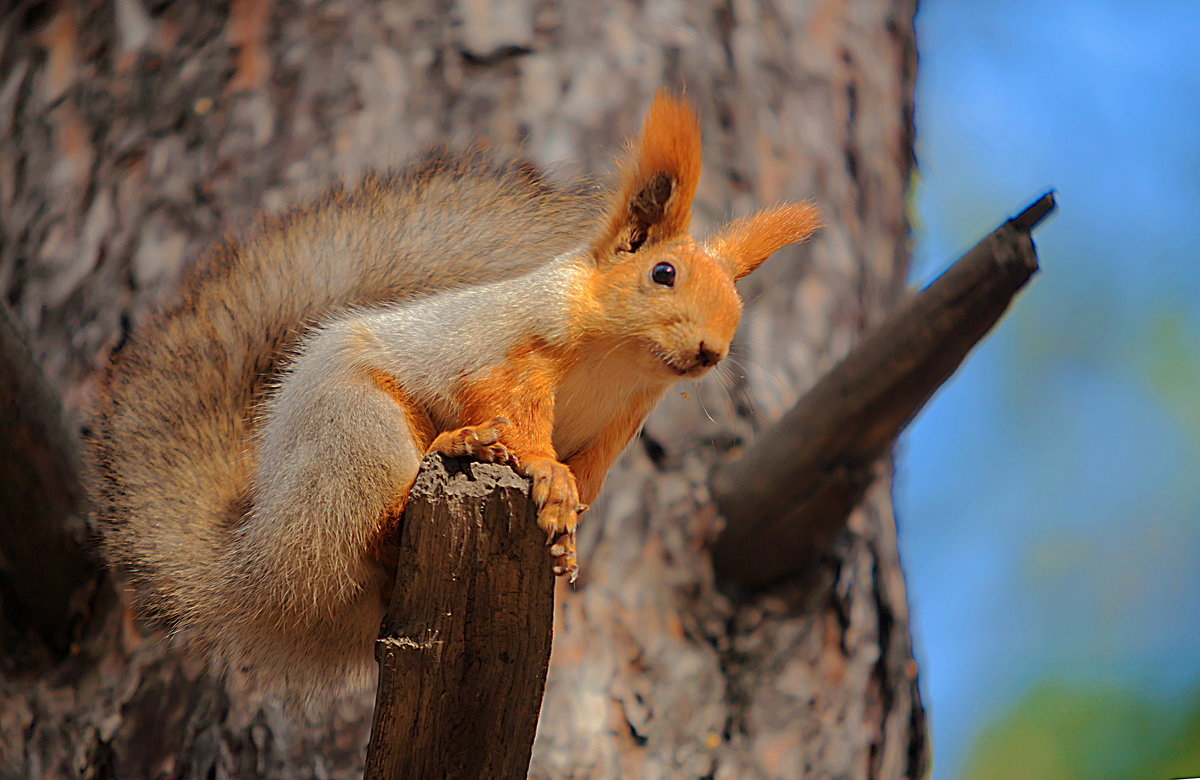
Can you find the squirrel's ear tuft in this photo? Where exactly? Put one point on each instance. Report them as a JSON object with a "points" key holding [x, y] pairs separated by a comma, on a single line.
{"points": [[743, 245], [653, 201]]}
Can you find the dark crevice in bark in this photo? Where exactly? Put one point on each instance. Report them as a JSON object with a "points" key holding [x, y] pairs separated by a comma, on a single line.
{"points": [[654, 450]]}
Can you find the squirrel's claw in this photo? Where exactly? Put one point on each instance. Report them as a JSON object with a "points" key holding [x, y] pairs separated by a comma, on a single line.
{"points": [[565, 564], [481, 442], [557, 497]]}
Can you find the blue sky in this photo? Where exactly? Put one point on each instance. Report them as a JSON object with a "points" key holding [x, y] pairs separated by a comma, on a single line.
{"points": [[1049, 497]]}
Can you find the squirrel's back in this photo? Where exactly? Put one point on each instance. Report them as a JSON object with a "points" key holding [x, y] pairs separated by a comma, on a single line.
{"points": [[174, 431]]}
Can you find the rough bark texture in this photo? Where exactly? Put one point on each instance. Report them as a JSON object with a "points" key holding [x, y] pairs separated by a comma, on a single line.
{"points": [[466, 641], [132, 134]]}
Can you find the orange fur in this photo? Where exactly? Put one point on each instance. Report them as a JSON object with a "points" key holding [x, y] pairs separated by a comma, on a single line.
{"points": [[591, 465], [744, 244], [670, 145], [520, 389], [418, 420]]}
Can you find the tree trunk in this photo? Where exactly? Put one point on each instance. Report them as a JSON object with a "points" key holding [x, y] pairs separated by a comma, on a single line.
{"points": [[134, 134]]}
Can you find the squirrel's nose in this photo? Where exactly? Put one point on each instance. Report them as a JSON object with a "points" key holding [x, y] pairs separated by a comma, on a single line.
{"points": [[709, 356]]}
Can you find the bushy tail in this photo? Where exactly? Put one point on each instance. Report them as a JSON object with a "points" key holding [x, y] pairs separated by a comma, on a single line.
{"points": [[173, 439]]}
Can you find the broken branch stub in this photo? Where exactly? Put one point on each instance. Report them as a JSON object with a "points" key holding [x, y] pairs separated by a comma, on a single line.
{"points": [[465, 646], [790, 493]]}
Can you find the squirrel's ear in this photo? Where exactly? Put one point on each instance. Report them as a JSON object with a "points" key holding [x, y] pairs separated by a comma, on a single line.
{"points": [[658, 181], [743, 245]]}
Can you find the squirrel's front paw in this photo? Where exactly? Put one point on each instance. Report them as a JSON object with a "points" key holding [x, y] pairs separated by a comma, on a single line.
{"points": [[557, 499], [481, 442]]}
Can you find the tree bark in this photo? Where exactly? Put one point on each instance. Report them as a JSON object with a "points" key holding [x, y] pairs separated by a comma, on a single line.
{"points": [[132, 135]]}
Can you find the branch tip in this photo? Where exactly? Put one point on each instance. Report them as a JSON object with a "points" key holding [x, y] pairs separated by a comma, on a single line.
{"points": [[1035, 212]]}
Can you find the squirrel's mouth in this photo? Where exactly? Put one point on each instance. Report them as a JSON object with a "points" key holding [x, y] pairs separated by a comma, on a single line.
{"points": [[669, 360], [691, 368], [680, 370], [682, 366]]}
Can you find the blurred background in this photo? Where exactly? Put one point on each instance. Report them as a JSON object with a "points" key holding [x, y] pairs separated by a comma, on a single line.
{"points": [[1054, 563]]}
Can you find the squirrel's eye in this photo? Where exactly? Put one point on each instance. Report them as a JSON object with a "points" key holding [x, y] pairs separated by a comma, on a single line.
{"points": [[664, 274]]}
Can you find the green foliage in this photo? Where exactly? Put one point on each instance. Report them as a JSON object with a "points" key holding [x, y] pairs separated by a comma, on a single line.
{"points": [[1171, 357], [1064, 732]]}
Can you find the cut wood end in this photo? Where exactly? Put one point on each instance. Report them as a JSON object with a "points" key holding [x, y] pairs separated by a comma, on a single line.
{"points": [[1028, 219]]}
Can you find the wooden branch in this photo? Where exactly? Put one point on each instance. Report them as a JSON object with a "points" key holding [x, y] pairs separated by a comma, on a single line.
{"points": [[789, 495], [465, 645], [42, 566]]}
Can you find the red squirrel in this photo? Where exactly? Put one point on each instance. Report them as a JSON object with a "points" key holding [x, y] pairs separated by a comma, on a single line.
{"points": [[256, 440]]}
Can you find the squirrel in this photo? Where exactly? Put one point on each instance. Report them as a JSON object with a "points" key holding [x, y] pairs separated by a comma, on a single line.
{"points": [[255, 440]]}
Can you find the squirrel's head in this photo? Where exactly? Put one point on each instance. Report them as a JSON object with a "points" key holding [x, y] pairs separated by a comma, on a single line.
{"points": [[654, 286]]}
